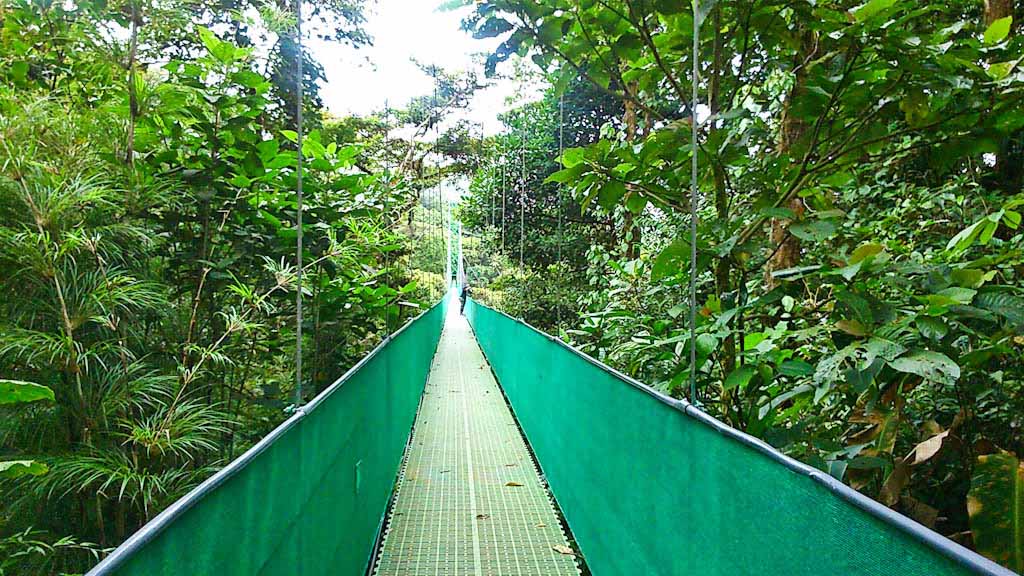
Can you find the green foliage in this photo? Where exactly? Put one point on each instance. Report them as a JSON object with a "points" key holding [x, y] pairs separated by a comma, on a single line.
{"points": [[996, 506], [31, 550], [18, 468], [147, 237], [859, 246], [14, 391]]}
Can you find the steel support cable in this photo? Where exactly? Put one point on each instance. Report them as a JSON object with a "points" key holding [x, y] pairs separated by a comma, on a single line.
{"points": [[504, 167], [298, 217], [447, 239], [387, 227], [522, 188], [299, 207], [693, 202], [561, 150], [439, 233]]}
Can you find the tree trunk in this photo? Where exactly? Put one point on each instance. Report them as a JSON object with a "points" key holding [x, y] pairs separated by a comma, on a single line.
{"points": [[1008, 171], [996, 9], [784, 246], [630, 231], [133, 98], [723, 267]]}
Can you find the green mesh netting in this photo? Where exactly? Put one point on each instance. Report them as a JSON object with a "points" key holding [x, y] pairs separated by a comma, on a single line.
{"points": [[649, 489], [311, 501]]}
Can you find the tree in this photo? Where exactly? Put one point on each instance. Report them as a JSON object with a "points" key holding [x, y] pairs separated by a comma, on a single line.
{"points": [[147, 227], [839, 316]]}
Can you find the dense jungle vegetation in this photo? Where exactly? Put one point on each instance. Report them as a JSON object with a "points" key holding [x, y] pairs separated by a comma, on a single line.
{"points": [[147, 244], [859, 227]]}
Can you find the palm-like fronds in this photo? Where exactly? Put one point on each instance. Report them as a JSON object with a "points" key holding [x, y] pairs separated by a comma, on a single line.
{"points": [[33, 552], [116, 475], [38, 347], [122, 391], [185, 430]]}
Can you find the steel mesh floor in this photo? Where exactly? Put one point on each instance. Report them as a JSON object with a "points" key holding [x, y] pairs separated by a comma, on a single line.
{"points": [[470, 500]]}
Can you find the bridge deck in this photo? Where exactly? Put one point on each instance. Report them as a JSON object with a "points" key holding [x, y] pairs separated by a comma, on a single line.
{"points": [[470, 500]]}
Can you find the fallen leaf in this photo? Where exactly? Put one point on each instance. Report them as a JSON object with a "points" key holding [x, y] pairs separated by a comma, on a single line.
{"points": [[563, 549], [542, 525], [894, 484], [929, 447], [919, 511], [512, 484]]}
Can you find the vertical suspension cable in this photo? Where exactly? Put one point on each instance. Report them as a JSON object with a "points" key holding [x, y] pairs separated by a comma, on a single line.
{"points": [[447, 240], [561, 150], [387, 224], [693, 203], [298, 218], [460, 269], [494, 178], [437, 173], [503, 171], [299, 207], [522, 188], [440, 229]]}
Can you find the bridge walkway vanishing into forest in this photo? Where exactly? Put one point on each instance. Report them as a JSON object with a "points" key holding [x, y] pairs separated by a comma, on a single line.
{"points": [[470, 499], [648, 484]]}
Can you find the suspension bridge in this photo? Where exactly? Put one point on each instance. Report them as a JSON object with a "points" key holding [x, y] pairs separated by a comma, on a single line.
{"points": [[478, 445], [420, 460]]}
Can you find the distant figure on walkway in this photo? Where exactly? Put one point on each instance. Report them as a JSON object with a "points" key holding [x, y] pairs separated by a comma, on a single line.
{"points": [[462, 297]]}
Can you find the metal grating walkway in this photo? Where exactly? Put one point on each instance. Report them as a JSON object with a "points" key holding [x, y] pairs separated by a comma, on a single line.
{"points": [[470, 500]]}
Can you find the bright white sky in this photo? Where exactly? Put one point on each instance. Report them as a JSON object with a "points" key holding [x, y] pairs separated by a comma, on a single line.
{"points": [[361, 81]]}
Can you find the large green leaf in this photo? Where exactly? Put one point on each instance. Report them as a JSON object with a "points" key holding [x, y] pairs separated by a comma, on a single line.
{"points": [[671, 261], [14, 391], [739, 377], [19, 468], [998, 30], [929, 365], [635, 203], [1004, 304], [813, 230], [224, 52], [864, 251], [865, 11], [566, 175], [995, 504], [610, 193], [796, 368]]}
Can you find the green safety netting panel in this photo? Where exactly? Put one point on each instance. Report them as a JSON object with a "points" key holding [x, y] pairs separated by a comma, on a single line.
{"points": [[651, 485], [309, 499]]}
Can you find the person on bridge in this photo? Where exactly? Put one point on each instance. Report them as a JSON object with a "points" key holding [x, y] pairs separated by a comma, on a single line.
{"points": [[463, 296]]}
